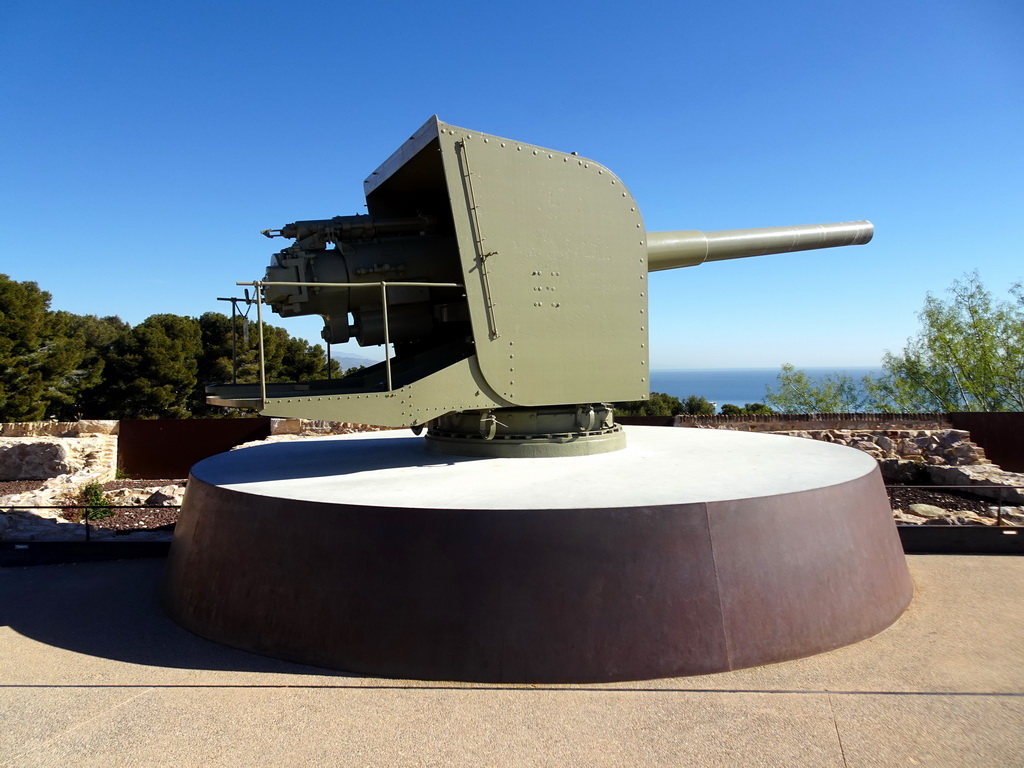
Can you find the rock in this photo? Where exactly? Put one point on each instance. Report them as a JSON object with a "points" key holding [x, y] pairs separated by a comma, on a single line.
{"points": [[901, 519], [1009, 515], [285, 426], [927, 510], [903, 472], [98, 427], [168, 496], [34, 458], [866, 446], [985, 480], [953, 436], [964, 451], [127, 497], [966, 517], [906, 447], [44, 458], [884, 443]]}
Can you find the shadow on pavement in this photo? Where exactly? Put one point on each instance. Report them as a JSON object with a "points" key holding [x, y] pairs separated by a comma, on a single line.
{"points": [[112, 610]]}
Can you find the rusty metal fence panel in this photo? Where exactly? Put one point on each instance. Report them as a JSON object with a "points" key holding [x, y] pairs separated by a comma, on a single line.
{"points": [[646, 421], [1000, 434], [167, 448]]}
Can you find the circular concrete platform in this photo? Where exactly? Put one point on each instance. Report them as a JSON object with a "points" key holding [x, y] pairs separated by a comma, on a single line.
{"points": [[691, 551]]}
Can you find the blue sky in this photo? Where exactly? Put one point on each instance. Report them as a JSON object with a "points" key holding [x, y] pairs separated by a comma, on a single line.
{"points": [[143, 146]]}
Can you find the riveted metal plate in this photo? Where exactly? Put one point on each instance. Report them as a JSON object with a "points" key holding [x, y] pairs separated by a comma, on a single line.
{"points": [[554, 258]]}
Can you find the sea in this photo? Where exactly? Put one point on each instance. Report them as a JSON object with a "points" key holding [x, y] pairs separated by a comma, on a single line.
{"points": [[738, 386]]}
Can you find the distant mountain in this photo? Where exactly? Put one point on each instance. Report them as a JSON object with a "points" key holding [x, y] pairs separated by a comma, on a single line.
{"points": [[353, 361]]}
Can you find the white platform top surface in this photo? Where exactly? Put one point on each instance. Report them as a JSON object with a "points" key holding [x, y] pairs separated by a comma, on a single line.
{"points": [[660, 465]]}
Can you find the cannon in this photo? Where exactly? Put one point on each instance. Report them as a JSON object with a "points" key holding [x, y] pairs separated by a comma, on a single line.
{"points": [[510, 281]]}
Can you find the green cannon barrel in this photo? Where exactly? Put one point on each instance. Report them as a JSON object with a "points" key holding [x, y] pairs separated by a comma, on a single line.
{"points": [[688, 248]]}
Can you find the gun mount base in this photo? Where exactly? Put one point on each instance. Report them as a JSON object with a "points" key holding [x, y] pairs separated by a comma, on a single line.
{"points": [[508, 433], [692, 551]]}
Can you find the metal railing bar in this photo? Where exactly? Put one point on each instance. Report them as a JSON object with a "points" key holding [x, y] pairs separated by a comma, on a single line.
{"points": [[960, 487], [85, 518], [258, 285]]}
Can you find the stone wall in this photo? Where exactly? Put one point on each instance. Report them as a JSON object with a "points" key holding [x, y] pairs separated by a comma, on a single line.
{"points": [[318, 427], [64, 465], [45, 458], [946, 447], [776, 422], [933, 457], [82, 428], [911, 449], [45, 450]]}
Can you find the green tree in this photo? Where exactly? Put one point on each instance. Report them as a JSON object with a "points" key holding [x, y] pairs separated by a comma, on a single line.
{"points": [[66, 366], [85, 342], [215, 364], [748, 409], [698, 406], [287, 358], [152, 369], [659, 404], [48, 360], [967, 356], [302, 361], [24, 351], [798, 392]]}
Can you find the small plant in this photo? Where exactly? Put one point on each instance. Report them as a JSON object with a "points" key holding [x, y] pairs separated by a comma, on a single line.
{"points": [[96, 505]]}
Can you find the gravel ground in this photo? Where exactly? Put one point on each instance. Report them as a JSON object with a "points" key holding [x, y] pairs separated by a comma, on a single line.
{"points": [[954, 501], [116, 485], [137, 519], [19, 486], [162, 518]]}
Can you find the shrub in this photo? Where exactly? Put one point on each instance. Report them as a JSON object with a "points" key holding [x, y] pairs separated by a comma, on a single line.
{"points": [[96, 504]]}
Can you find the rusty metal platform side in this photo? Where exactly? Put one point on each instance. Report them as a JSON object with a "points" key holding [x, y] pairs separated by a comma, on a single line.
{"points": [[538, 596], [808, 572], [167, 448], [491, 596]]}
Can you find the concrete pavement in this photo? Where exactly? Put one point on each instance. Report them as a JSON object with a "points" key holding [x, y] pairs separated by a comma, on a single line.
{"points": [[93, 674]]}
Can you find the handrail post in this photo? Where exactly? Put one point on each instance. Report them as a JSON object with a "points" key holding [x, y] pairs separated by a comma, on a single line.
{"points": [[258, 285], [387, 336]]}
